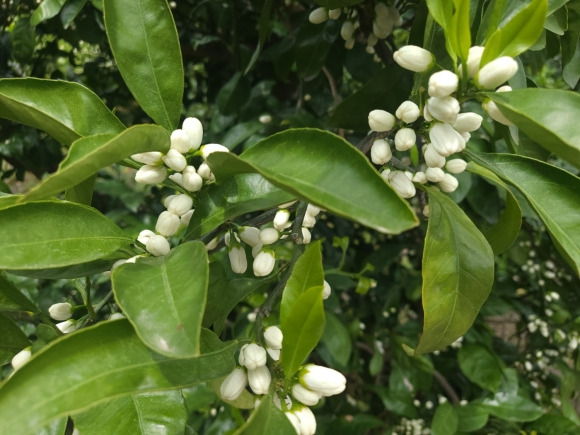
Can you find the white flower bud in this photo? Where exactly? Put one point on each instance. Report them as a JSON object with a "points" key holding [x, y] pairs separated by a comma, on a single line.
{"points": [[408, 112], [292, 418], [269, 236], [445, 139], [256, 250], [304, 395], [180, 141], [372, 40], [468, 121], [405, 139], [234, 384], [265, 119], [191, 180], [252, 356], [179, 204], [348, 45], [492, 110], [281, 219], [448, 183], [144, 236], [496, 72], [442, 84], [167, 224], [432, 158], [381, 120], [168, 200], [211, 148], [274, 353], [385, 174], [414, 58], [175, 160], [176, 178], [309, 221], [273, 336], [194, 129], [250, 235], [313, 210], [264, 262], [395, 16], [382, 27], [334, 14], [443, 109], [426, 210], [473, 61], [434, 174], [420, 177], [158, 245], [504, 88], [347, 30], [151, 158], [307, 421], [149, 174], [381, 10], [426, 114], [67, 326], [21, 358], [205, 172], [61, 311], [238, 259], [326, 290], [381, 152], [456, 166], [212, 244], [116, 316], [259, 380], [186, 218], [401, 184], [306, 236], [318, 15], [323, 380]]}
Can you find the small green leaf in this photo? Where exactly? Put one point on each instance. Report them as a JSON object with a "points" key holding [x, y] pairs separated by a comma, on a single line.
{"points": [[64, 110], [533, 109], [46, 10], [337, 340], [12, 299], [512, 407], [70, 11], [442, 13], [23, 40], [457, 273], [12, 339], [164, 298], [146, 48], [267, 419], [459, 35], [234, 94], [480, 366], [49, 234], [326, 170], [445, 420], [471, 417], [111, 361]]}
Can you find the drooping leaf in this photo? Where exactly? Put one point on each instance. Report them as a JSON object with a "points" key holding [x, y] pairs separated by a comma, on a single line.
{"points": [[46, 10], [64, 110], [325, 170], [480, 366], [145, 44], [267, 419], [12, 339], [459, 32], [49, 234], [112, 362], [164, 298], [457, 273], [12, 299], [336, 339], [70, 11]]}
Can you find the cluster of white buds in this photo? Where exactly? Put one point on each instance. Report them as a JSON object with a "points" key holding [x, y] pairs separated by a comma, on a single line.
{"points": [[321, 14]]}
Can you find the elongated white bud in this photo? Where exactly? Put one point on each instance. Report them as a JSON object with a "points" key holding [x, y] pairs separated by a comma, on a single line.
{"points": [[259, 380], [401, 184], [349, 44], [383, 26], [443, 109], [318, 15], [158, 245], [176, 178], [405, 139], [420, 177], [292, 418], [432, 158], [238, 259], [305, 395], [186, 218], [167, 224], [61, 311], [381, 10], [442, 84], [273, 336], [445, 139], [306, 236], [347, 30], [467, 122], [496, 72], [307, 420], [234, 384], [434, 174], [381, 120], [323, 380], [252, 356], [309, 221], [381, 152], [194, 129], [21, 358], [269, 236], [281, 219], [448, 183], [179, 204], [175, 160], [456, 166], [250, 235], [205, 172], [414, 58], [67, 326], [211, 148], [151, 158], [326, 290], [492, 110], [313, 210], [408, 112], [473, 61], [149, 174], [191, 180], [264, 262], [180, 141], [144, 236], [274, 353]]}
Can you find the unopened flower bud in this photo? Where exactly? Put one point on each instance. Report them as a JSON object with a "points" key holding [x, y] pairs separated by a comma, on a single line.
{"points": [[405, 139], [347, 30], [381, 120], [307, 420], [167, 224], [414, 58], [496, 72], [256, 250], [175, 160], [504, 88], [304, 395], [445, 139], [179, 204], [492, 110], [334, 14], [116, 316], [372, 40], [21, 358], [67, 326], [149, 174], [313, 210], [467, 122], [265, 119], [259, 380], [194, 129], [323, 380], [212, 244], [382, 26], [432, 158], [61, 311], [318, 15], [186, 218], [176, 178], [157, 245], [180, 141], [420, 177], [191, 180], [326, 290], [151, 158], [443, 109], [349, 44], [274, 353], [273, 336], [211, 148], [442, 84], [401, 184], [234, 384], [205, 172], [456, 166], [395, 16], [473, 61], [269, 236], [448, 183], [252, 356], [306, 236], [381, 10], [281, 219], [250, 235], [408, 112], [434, 174], [144, 236], [264, 262], [238, 260], [309, 221], [292, 418], [381, 152]]}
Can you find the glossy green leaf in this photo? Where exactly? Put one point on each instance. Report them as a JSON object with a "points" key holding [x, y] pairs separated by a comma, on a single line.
{"points": [[73, 271], [518, 34], [385, 91], [553, 193], [56, 427], [533, 111], [144, 414], [46, 10], [302, 328], [267, 419], [512, 407], [336, 339], [70, 11], [503, 234], [554, 424], [244, 193], [8, 200], [445, 420], [442, 13], [459, 35], [12, 339], [23, 40], [111, 361], [82, 192], [12, 299], [471, 417], [65, 110], [164, 298], [326, 170], [240, 132], [480, 366], [306, 273], [48, 234], [144, 42], [457, 273]]}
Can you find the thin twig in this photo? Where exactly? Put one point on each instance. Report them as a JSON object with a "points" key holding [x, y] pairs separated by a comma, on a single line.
{"points": [[453, 397]]}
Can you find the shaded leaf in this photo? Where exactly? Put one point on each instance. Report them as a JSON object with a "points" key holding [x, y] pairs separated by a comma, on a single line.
{"points": [[12, 299], [46, 10], [480, 366], [12, 339], [445, 420], [267, 419]]}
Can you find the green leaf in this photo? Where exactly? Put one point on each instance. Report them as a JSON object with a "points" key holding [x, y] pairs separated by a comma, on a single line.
{"points": [[12, 339], [146, 48], [553, 424], [457, 273], [90, 154], [326, 170], [95, 364], [459, 35], [240, 132], [512, 407], [234, 94], [264, 32], [46, 10], [337, 340], [445, 420], [23, 40], [480, 366], [82, 192], [64, 110], [302, 328], [238, 195], [12, 299], [553, 193], [312, 46], [471, 417], [70, 11], [56, 427], [73, 271], [267, 419], [164, 298], [533, 109], [518, 34], [503, 234], [48, 234], [144, 413], [442, 13]]}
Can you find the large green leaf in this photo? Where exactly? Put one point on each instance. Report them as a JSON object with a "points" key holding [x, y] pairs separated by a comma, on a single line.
{"points": [[93, 365], [12, 299], [457, 273], [144, 42], [64, 110], [549, 116], [236, 196], [267, 419], [326, 170], [48, 234], [75, 270], [46, 10], [12, 339], [90, 154], [144, 414], [553, 193], [480, 366], [164, 298]]}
